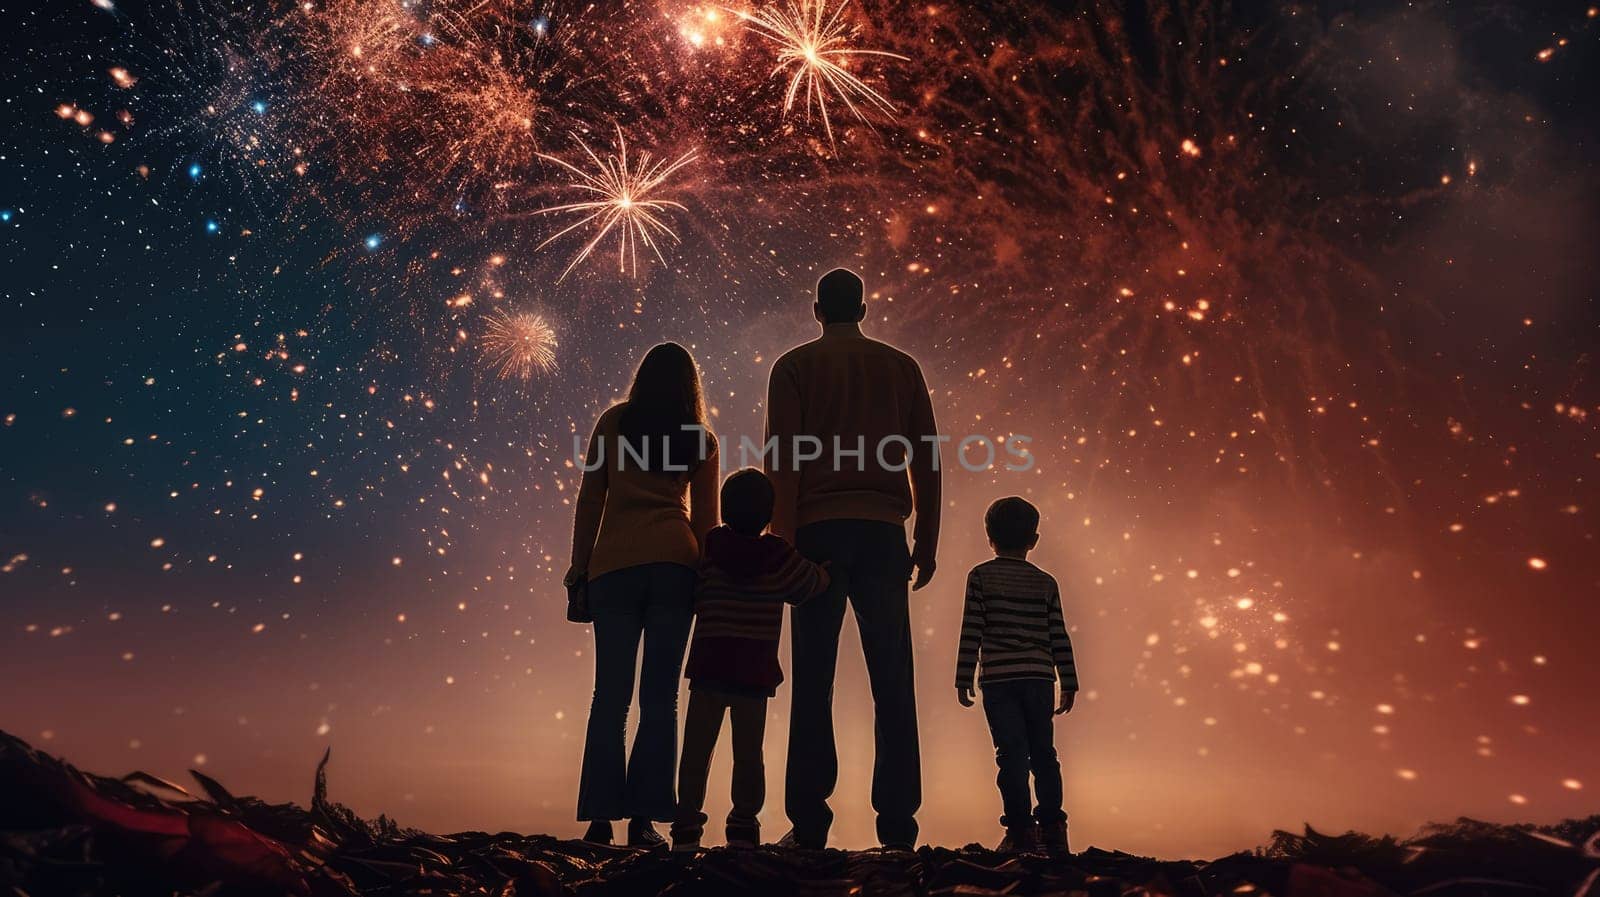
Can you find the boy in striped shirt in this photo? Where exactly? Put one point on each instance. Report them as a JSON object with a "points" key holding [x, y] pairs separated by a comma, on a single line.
{"points": [[1014, 638], [746, 577]]}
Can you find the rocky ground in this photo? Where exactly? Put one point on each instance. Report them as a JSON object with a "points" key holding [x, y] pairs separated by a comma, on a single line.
{"points": [[63, 831]]}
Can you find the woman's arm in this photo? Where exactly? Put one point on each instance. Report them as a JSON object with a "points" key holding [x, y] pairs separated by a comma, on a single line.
{"points": [[591, 502], [703, 494]]}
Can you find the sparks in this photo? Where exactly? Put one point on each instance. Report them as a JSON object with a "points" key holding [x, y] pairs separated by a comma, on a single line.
{"points": [[814, 47], [623, 202], [518, 345]]}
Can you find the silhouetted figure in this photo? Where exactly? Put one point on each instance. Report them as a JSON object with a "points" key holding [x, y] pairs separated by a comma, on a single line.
{"points": [[1013, 632], [862, 408], [647, 500], [746, 576]]}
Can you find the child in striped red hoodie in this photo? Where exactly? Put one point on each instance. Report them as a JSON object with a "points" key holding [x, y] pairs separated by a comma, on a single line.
{"points": [[746, 577]]}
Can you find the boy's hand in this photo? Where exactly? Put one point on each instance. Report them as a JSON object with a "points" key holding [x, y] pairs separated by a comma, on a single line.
{"points": [[964, 695], [1067, 700]]}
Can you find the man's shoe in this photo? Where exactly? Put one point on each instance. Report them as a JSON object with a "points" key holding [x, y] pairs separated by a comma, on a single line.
{"points": [[793, 842], [1053, 835], [643, 835], [744, 837], [599, 832], [1020, 839], [685, 847]]}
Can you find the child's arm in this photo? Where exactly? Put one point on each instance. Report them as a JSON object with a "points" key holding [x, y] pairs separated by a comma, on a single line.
{"points": [[1061, 651], [971, 638], [801, 579]]}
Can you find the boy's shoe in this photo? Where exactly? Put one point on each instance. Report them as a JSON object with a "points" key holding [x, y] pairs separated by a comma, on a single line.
{"points": [[1020, 839], [643, 835], [685, 847], [599, 832], [1053, 835]]}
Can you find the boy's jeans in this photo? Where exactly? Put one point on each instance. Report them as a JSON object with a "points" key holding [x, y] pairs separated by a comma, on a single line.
{"points": [[1021, 719], [701, 727]]}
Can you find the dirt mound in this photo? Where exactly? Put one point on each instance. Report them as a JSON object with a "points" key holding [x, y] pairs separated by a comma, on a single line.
{"points": [[67, 832]]}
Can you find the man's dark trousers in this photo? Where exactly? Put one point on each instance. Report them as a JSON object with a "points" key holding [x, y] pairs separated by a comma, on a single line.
{"points": [[873, 555]]}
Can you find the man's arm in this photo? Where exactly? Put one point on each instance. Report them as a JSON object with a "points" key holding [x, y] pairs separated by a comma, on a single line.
{"points": [[783, 422], [925, 482]]}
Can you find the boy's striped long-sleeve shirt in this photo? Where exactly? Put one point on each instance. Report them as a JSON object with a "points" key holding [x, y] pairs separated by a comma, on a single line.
{"points": [[1012, 627]]}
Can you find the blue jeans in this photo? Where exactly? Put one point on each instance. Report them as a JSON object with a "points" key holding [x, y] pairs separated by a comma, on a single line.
{"points": [[1021, 714], [655, 602]]}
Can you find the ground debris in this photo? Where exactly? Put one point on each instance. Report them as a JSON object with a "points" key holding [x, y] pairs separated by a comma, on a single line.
{"points": [[66, 832]]}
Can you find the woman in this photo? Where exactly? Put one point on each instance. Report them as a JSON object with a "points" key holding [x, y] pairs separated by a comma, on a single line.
{"points": [[648, 498]]}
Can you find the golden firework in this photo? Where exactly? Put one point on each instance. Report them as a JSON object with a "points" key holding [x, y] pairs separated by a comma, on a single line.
{"points": [[518, 345], [814, 48], [623, 201]]}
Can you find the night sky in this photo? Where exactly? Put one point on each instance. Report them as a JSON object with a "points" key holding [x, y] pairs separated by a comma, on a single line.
{"points": [[1296, 304]]}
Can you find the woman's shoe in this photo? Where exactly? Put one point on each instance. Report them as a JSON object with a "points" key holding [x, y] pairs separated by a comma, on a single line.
{"points": [[792, 841], [599, 832], [643, 835]]}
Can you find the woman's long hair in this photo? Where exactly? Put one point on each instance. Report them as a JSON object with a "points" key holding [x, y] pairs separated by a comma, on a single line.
{"points": [[665, 409]]}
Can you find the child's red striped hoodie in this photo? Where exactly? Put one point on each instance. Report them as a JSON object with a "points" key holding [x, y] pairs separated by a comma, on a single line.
{"points": [[744, 583]]}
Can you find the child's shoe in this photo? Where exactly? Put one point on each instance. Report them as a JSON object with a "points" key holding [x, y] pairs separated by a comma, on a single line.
{"points": [[685, 846], [599, 832], [1053, 835], [1020, 839]]}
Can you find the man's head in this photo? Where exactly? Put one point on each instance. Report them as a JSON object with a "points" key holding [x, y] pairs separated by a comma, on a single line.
{"points": [[747, 501], [840, 299], [1012, 524]]}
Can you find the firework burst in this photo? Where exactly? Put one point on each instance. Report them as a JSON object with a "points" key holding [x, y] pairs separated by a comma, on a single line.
{"points": [[814, 49], [518, 345], [622, 200], [449, 98], [215, 88]]}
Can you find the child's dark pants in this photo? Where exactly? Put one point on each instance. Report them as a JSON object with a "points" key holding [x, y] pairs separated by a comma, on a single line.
{"points": [[1021, 719], [702, 725]]}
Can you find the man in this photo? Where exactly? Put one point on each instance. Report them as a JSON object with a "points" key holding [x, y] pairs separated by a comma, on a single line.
{"points": [[852, 452]]}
